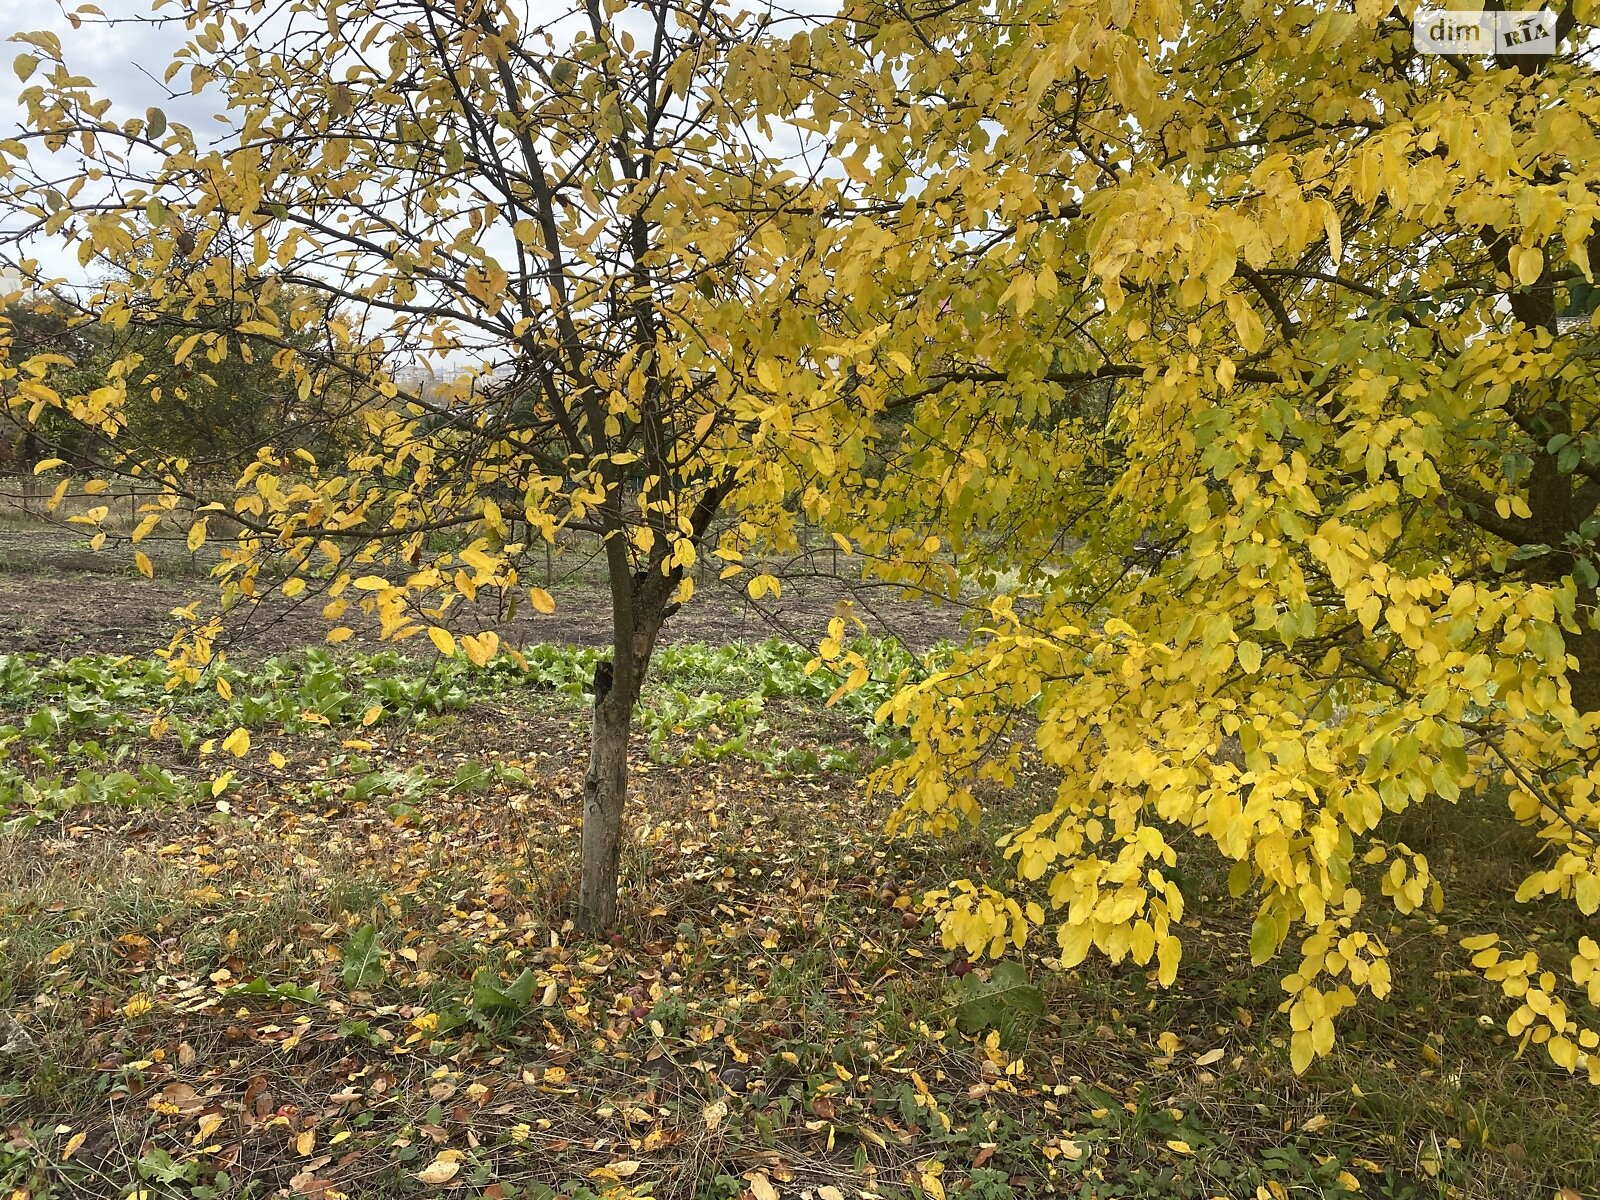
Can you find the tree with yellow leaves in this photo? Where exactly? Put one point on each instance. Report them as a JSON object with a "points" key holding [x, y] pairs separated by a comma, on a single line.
{"points": [[1252, 376], [566, 208]]}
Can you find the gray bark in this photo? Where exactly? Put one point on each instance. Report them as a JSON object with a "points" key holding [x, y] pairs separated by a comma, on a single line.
{"points": [[605, 792], [639, 607]]}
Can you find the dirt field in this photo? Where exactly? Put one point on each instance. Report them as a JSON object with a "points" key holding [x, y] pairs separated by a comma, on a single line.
{"points": [[66, 602]]}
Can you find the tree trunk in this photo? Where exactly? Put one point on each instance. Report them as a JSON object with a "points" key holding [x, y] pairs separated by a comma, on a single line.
{"points": [[605, 791], [639, 608], [641, 602], [1584, 645]]}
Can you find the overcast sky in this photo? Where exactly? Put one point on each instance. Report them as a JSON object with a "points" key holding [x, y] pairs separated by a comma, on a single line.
{"points": [[125, 60], [113, 56]]}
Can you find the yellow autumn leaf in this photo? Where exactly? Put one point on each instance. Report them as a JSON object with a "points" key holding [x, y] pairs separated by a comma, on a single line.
{"points": [[443, 641], [1249, 655], [185, 348], [440, 1170], [143, 528], [1528, 264], [541, 600], [481, 647], [237, 743], [1301, 1051]]}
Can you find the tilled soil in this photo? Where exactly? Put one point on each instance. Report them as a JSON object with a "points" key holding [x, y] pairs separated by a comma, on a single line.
{"points": [[52, 605]]}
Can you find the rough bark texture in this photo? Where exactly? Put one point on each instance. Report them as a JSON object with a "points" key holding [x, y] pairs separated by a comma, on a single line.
{"points": [[639, 607], [1584, 645], [605, 792], [1561, 500], [641, 602]]}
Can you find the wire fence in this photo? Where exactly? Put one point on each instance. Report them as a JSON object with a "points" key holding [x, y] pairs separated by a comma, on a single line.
{"points": [[27, 499], [30, 522]]}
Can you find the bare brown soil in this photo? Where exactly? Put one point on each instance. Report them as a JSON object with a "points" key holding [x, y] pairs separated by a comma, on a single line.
{"points": [[63, 603]]}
